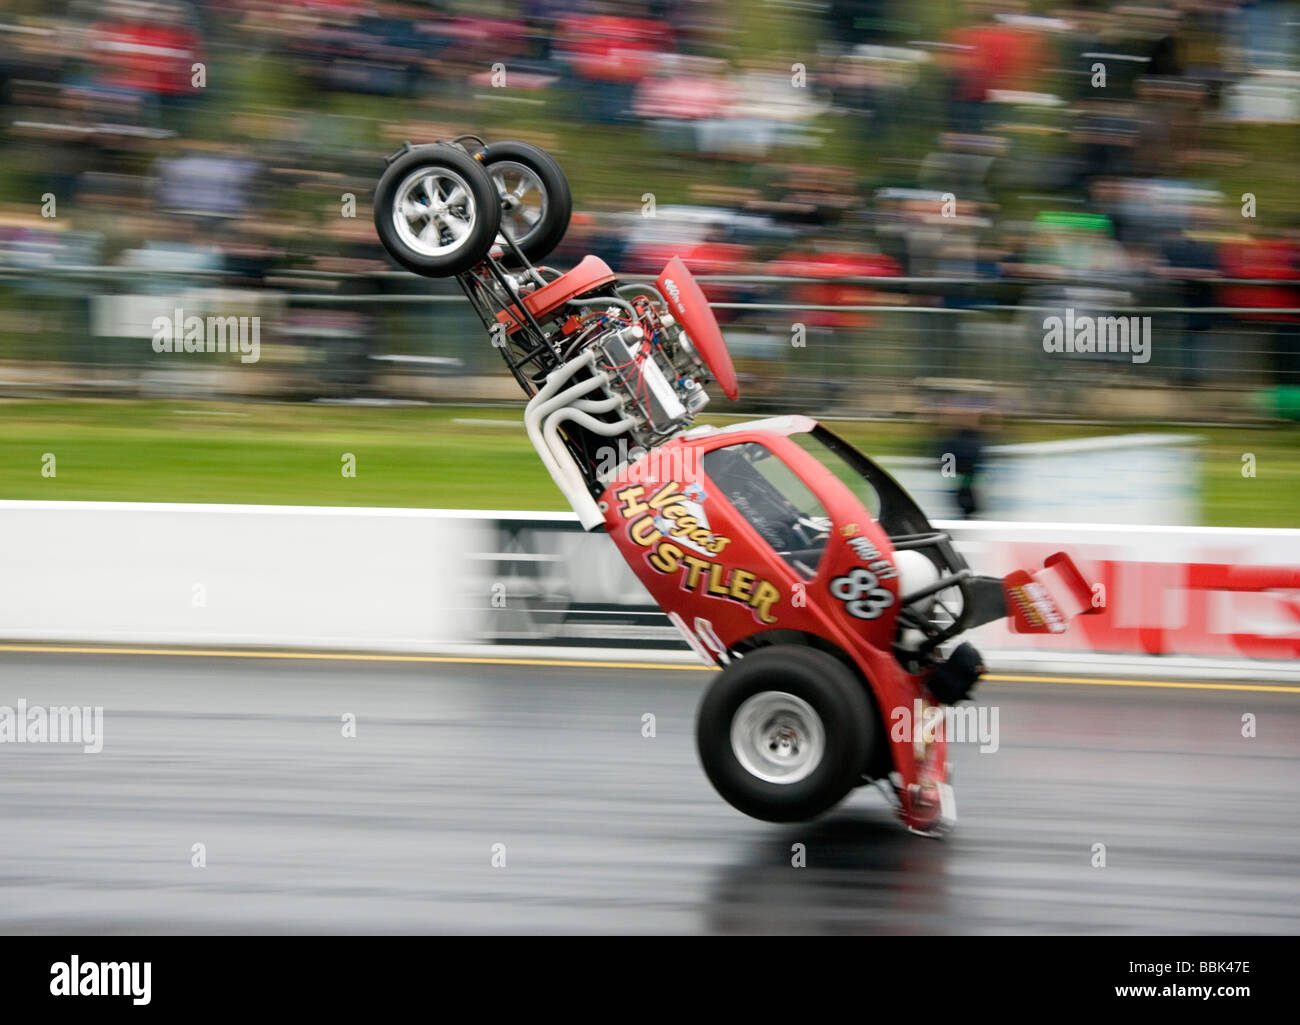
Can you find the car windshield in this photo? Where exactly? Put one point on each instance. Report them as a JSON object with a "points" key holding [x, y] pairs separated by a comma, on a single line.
{"points": [[777, 504], [822, 446]]}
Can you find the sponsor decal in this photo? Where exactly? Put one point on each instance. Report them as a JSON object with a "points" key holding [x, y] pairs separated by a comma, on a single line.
{"points": [[675, 294], [861, 594], [671, 524], [1033, 606], [871, 557], [860, 589]]}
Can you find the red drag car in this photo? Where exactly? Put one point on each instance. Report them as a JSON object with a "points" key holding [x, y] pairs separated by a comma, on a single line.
{"points": [[783, 554]]}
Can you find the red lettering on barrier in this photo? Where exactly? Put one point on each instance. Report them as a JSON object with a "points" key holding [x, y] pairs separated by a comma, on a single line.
{"points": [[1209, 609]]}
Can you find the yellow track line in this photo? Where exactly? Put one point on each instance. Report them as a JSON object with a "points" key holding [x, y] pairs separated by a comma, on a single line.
{"points": [[327, 656], [1101, 681]]}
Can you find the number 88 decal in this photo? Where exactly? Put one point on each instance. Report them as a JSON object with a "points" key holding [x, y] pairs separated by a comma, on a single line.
{"points": [[862, 596]]}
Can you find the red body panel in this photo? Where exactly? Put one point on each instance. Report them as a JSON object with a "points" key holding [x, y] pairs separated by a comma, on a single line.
{"points": [[719, 580], [591, 273]]}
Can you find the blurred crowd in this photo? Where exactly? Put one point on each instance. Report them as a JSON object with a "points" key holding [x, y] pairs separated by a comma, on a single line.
{"points": [[978, 155]]}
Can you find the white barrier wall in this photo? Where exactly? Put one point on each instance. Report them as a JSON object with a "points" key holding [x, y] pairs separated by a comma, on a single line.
{"points": [[424, 580], [231, 574], [1129, 478]]}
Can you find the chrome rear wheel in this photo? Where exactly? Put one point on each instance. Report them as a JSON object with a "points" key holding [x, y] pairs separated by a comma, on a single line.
{"points": [[778, 737]]}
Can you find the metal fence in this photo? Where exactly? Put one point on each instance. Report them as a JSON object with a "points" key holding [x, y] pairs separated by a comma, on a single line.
{"points": [[883, 346]]}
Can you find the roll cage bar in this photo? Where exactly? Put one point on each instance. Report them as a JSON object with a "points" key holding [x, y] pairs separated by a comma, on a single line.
{"points": [[908, 529]]}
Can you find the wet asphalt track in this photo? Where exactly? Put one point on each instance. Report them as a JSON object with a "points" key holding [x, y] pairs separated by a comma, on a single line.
{"points": [[607, 831]]}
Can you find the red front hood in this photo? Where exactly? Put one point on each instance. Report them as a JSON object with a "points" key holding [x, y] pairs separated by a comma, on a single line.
{"points": [[687, 304]]}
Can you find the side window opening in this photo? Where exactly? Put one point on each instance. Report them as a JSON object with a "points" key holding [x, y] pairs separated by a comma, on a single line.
{"points": [[775, 502], [816, 445]]}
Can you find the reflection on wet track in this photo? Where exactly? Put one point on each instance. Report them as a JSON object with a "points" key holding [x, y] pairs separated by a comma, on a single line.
{"points": [[606, 830]]}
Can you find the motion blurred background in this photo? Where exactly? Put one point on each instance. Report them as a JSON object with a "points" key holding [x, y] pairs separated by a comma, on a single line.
{"points": [[885, 198]]}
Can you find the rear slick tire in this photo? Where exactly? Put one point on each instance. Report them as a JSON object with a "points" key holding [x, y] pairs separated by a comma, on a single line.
{"points": [[785, 732]]}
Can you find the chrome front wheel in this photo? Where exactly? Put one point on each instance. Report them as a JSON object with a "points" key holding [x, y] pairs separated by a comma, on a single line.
{"points": [[436, 210], [523, 198], [535, 200]]}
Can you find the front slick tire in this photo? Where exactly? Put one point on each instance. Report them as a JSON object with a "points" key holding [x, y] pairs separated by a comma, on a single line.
{"points": [[436, 211], [785, 732]]}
